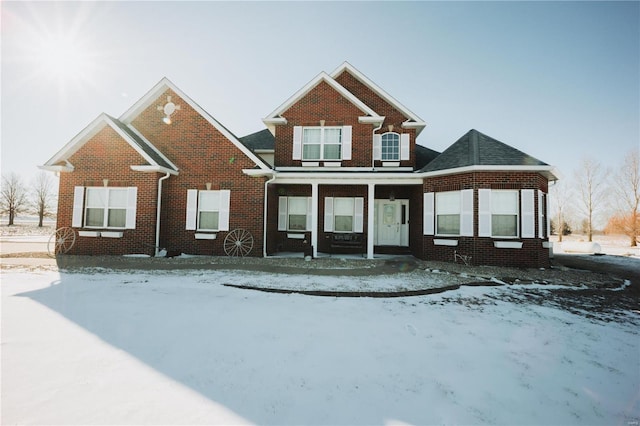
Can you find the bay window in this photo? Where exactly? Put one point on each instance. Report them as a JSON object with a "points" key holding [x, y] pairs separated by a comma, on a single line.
{"points": [[448, 213], [504, 213]]}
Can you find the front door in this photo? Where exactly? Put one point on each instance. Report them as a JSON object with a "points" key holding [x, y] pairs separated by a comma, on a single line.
{"points": [[392, 225]]}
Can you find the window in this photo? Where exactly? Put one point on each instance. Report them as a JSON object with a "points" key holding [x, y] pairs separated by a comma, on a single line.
{"points": [[106, 208], [294, 214], [321, 143], [390, 147], [343, 214], [208, 210], [448, 213], [504, 213]]}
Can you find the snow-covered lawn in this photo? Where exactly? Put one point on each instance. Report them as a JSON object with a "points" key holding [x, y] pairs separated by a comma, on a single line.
{"points": [[179, 347]]}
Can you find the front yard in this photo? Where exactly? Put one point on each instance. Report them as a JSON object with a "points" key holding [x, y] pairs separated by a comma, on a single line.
{"points": [[178, 347]]}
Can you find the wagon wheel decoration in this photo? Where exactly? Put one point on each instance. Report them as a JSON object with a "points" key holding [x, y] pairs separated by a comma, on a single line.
{"points": [[61, 241], [238, 242]]}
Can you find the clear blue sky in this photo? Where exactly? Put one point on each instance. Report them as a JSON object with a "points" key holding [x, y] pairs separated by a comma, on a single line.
{"points": [[557, 80]]}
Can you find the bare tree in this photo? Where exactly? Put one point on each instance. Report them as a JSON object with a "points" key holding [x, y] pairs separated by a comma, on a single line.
{"points": [[591, 184], [13, 196], [43, 196], [560, 206], [626, 187]]}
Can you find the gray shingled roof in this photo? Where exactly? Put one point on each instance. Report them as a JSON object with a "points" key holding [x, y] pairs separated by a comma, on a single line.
{"points": [[424, 156], [478, 149], [259, 140], [149, 150]]}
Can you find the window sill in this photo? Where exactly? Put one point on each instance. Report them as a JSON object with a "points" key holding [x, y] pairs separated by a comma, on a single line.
{"points": [[547, 244], [442, 242], [310, 164], [332, 164], [201, 236], [111, 234], [390, 164], [89, 233], [508, 244], [296, 236]]}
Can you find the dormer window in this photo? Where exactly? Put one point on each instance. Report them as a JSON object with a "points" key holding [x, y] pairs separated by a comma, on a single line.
{"points": [[390, 146]]}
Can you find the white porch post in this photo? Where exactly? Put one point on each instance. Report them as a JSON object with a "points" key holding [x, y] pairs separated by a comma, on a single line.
{"points": [[370, 212], [314, 218]]}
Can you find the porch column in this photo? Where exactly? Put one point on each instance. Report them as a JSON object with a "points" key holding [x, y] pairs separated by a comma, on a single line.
{"points": [[314, 218], [370, 213]]}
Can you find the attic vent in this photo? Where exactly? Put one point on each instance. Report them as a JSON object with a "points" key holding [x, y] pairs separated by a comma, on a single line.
{"points": [[168, 109]]}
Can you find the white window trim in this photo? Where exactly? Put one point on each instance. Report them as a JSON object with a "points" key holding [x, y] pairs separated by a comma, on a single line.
{"points": [[518, 214], [192, 214], [345, 143], [459, 213], [358, 215], [397, 157], [283, 214], [79, 215]]}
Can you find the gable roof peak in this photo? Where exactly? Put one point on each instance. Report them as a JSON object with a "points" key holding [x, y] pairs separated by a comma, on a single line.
{"points": [[412, 118], [275, 115]]}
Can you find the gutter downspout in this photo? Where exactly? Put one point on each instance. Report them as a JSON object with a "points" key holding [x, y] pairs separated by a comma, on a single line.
{"points": [[264, 216], [158, 212]]}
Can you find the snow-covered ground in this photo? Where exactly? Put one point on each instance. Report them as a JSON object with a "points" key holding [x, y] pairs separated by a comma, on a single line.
{"points": [[179, 347]]}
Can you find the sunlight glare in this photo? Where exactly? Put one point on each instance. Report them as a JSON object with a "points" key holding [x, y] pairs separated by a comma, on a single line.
{"points": [[64, 58]]}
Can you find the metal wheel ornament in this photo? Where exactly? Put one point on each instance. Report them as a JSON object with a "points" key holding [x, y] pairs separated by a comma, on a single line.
{"points": [[238, 242], [61, 241]]}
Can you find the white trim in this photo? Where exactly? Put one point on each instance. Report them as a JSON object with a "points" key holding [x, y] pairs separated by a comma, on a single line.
{"points": [[457, 170], [466, 213], [323, 76], [93, 129], [153, 169], [68, 167], [376, 121], [390, 164], [328, 214], [132, 204], [405, 145], [508, 244], [163, 85], [527, 210], [296, 236], [428, 213], [78, 207], [547, 244], [306, 164], [192, 210], [203, 236], [441, 242], [283, 213], [484, 212], [88, 233], [346, 142], [111, 234], [332, 164], [346, 66]]}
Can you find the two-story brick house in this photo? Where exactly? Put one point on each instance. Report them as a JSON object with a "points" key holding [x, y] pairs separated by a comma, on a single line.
{"points": [[337, 170]]}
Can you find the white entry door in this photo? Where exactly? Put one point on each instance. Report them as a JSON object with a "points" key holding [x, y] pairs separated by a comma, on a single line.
{"points": [[392, 224]]}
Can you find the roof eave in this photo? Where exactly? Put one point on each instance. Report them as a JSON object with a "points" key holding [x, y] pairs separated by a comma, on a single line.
{"points": [[154, 169]]}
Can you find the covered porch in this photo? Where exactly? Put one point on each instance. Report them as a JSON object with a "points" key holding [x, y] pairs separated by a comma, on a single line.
{"points": [[363, 215]]}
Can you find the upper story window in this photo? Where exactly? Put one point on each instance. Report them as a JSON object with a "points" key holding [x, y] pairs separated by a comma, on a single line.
{"points": [[390, 146], [104, 207], [321, 143]]}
